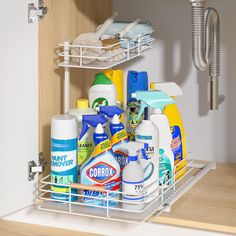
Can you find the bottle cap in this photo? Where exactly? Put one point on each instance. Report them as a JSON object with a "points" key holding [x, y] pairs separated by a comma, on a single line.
{"points": [[82, 103], [99, 129], [101, 78]]}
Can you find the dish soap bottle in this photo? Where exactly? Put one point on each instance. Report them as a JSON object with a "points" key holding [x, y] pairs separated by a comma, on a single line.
{"points": [[133, 178], [102, 169]]}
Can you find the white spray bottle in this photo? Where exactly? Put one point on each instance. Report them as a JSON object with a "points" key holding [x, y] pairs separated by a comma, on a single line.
{"points": [[158, 100], [133, 178]]}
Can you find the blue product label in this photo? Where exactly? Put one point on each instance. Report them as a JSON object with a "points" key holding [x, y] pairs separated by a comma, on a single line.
{"points": [[101, 172], [165, 170], [176, 144], [63, 167]]}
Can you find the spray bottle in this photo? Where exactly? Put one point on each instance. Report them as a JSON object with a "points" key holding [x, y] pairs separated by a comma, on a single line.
{"points": [[102, 169], [178, 144], [133, 178], [158, 100], [135, 81], [118, 133]]}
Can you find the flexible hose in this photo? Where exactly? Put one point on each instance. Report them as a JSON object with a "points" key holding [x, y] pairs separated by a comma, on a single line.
{"points": [[206, 45]]}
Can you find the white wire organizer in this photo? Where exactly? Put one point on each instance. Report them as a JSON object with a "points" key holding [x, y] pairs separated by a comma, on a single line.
{"points": [[102, 57], [163, 199], [75, 56]]}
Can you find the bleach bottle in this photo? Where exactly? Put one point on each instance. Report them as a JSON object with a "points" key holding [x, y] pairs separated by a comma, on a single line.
{"points": [[102, 169], [118, 133], [133, 178], [135, 81], [148, 133], [64, 166], [158, 100]]}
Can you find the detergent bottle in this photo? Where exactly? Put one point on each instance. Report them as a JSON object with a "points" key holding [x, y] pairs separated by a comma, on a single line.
{"points": [[133, 178], [135, 81], [158, 100], [118, 133], [148, 133], [178, 144], [102, 169]]}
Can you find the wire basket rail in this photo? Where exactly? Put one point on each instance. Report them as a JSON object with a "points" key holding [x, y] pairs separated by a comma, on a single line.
{"points": [[103, 57], [162, 198]]}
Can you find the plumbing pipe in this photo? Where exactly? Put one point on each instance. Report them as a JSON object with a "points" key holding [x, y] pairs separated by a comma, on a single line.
{"points": [[206, 45]]}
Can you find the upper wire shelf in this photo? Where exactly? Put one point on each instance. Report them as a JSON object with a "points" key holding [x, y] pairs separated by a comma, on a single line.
{"points": [[103, 57]]}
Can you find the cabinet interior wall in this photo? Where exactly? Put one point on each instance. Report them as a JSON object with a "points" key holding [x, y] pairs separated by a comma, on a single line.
{"points": [[64, 21]]}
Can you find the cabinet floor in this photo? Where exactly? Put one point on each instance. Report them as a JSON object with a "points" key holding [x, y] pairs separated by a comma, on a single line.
{"points": [[9, 228], [209, 205]]}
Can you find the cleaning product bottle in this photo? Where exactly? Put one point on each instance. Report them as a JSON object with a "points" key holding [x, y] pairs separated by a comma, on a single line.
{"points": [[135, 81], [117, 77], [102, 169], [178, 144], [118, 133], [102, 92], [148, 133], [158, 100], [63, 156], [85, 145], [133, 178]]}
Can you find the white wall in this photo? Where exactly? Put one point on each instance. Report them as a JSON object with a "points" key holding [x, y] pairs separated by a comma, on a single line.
{"points": [[210, 134]]}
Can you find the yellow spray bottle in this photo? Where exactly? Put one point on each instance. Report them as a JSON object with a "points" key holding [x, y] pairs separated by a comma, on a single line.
{"points": [[178, 145], [117, 77]]}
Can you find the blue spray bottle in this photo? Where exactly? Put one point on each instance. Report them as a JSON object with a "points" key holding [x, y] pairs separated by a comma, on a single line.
{"points": [[135, 81], [118, 133], [158, 100], [102, 169]]}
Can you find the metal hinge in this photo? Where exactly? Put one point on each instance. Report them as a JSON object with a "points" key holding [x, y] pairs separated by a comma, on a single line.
{"points": [[35, 13], [34, 168]]}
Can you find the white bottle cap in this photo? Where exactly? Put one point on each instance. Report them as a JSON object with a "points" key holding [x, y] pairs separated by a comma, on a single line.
{"points": [[64, 127], [115, 120], [99, 129], [156, 111]]}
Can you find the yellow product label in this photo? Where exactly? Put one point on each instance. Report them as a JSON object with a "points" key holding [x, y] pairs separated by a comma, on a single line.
{"points": [[60, 189], [102, 147], [117, 137]]}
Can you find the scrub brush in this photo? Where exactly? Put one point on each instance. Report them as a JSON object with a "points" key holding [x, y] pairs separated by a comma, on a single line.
{"points": [[91, 40]]}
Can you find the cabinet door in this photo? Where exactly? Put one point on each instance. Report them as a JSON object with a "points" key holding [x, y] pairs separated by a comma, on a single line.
{"points": [[18, 104]]}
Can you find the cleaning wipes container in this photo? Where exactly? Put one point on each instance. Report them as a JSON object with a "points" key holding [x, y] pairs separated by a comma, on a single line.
{"points": [[63, 156]]}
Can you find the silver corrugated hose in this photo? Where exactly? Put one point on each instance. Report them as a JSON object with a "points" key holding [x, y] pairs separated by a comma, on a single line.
{"points": [[206, 45]]}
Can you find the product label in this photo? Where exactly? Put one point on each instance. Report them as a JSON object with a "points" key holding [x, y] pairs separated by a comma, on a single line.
{"points": [[102, 147], [133, 121], [176, 144], [101, 172], [85, 150], [132, 190], [63, 166], [117, 140], [99, 102], [165, 170]]}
